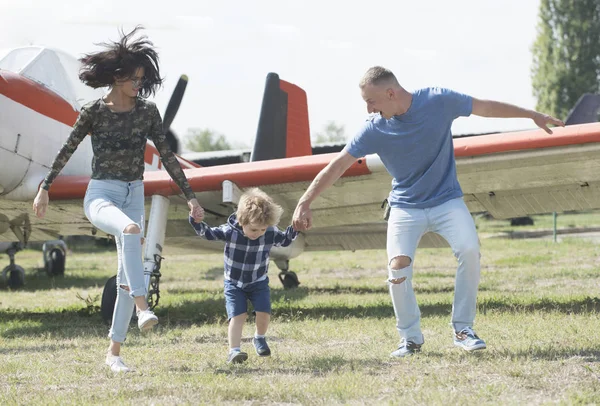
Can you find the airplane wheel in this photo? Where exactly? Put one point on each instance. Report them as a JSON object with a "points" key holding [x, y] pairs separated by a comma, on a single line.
{"points": [[55, 266], [109, 298], [521, 221], [289, 279], [14, 276]]}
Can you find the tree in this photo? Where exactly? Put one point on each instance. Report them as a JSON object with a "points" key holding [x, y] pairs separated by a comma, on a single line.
{"points": [[200, 140], [566, 54], [331, 133]]}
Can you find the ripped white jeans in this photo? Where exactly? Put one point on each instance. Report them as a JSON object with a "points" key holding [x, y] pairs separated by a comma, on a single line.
{"points": [[112, 205], [454, 223]]}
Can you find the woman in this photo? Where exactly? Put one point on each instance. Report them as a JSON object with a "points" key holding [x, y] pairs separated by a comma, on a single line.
{"points": [[119, 124]]}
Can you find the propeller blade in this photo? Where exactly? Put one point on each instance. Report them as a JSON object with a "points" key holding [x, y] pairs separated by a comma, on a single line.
{"points": [[174, 102], [173, 141]]}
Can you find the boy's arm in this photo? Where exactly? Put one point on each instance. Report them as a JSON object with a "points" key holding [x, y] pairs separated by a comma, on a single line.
{"points": [[211, 233], [284, 238]]}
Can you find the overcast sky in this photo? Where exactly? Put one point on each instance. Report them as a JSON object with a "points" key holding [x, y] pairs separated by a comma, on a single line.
{"points": [[479, 47]]}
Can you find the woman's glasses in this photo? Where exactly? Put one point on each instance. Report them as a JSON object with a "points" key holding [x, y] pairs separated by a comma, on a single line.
{"points": [[138, 82]]}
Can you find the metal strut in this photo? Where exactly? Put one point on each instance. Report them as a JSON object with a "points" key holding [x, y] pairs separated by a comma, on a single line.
{"points": [[155, 239], [154, 290]]}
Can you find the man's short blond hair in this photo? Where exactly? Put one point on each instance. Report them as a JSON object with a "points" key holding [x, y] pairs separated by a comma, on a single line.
{"points": [[378, 75], [256, 207]]}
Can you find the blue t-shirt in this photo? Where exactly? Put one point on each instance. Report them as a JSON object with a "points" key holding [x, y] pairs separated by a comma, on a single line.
{"points": [[416, 148]]}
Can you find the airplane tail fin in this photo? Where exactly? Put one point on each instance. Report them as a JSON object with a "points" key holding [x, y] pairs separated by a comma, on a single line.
{"points": [[586, 110], [283, 129]]}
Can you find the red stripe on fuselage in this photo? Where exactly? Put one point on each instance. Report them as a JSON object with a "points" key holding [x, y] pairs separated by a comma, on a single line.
{"points": [[36, 97]]}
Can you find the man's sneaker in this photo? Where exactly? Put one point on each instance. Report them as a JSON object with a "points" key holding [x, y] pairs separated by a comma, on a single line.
{"points": [[261, 346], [116, 363], [468, 340], [236, 357], [406, 348], [146, 320]]}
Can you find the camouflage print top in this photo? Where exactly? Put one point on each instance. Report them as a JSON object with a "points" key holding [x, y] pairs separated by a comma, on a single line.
{"points": [[119, 143]]}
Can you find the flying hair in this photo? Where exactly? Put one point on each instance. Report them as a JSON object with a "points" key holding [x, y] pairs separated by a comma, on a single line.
{"points": [[119, 60]]}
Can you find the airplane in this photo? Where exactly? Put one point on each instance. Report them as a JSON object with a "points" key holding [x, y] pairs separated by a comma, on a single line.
{"points": [[508, 175]]}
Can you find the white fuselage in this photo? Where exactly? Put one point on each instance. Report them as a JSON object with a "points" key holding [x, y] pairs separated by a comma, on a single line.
{"points": [[29, 141]]}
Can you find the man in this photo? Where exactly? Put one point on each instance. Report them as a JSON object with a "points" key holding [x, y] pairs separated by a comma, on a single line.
{"points": [[411, 134]]}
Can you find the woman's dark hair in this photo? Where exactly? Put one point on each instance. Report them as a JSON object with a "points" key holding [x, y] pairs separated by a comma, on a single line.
{"points": [[120, 60]]}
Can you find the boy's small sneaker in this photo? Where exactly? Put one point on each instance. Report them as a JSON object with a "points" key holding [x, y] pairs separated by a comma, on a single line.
{"points": [[236, 357], [261, 346], [468, 340], [406, 348], [146, 320], [116, 363]]}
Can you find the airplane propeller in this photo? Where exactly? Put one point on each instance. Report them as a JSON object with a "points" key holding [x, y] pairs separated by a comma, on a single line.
{"points": [[171, 111]]}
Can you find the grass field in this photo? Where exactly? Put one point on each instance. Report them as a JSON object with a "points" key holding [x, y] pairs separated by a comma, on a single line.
{"points": [[538, 306]]}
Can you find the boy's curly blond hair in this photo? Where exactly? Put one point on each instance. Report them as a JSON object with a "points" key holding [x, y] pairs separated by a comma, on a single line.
{"points": [[256, 207]]}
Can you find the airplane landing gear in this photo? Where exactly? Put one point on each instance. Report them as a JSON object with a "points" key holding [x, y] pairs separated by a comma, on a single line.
{"points": [[288, 279], [55, 253], [109, 297], [155, 239], [13, 274]]}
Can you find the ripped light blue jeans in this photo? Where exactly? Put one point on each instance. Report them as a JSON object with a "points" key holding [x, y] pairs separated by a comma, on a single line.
{"points": [[111, 206], [454, 223]]}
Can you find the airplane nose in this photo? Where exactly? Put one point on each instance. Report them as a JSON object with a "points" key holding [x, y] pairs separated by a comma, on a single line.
{"points": [[34, 122]]}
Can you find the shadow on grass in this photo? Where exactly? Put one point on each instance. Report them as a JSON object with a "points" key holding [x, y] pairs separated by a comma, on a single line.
{"points": [[76, 321], [298, 293], [41, 281], [213, 310], [66, 323], [580, 305], [362, 290]]}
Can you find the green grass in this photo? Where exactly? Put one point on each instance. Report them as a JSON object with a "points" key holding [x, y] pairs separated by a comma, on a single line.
{"points": [[538, 310]]}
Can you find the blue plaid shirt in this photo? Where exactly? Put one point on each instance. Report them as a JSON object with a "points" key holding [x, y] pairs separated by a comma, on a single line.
{"points": [[246, 260]]}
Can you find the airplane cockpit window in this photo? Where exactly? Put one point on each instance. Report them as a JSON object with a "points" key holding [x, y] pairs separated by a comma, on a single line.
{"points": [[47, 70], [54, 69], [17, 59]]}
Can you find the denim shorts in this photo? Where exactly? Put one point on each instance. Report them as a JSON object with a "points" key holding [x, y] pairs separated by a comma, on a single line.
{"points": [[236, 299]]}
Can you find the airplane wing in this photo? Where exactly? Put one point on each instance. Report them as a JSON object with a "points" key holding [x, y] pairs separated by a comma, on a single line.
{"points": [[507, 175]]}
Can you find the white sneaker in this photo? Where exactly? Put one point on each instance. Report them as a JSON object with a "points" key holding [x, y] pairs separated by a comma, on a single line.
{"points": [[116, 363], [146, 320], [468, 340]]}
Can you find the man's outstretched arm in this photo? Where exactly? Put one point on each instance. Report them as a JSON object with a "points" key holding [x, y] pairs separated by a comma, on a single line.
{"points": [[302, 219], [491, 108]]}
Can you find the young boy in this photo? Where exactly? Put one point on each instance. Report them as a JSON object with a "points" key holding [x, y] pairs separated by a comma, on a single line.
{"points": [[249, 235]]}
